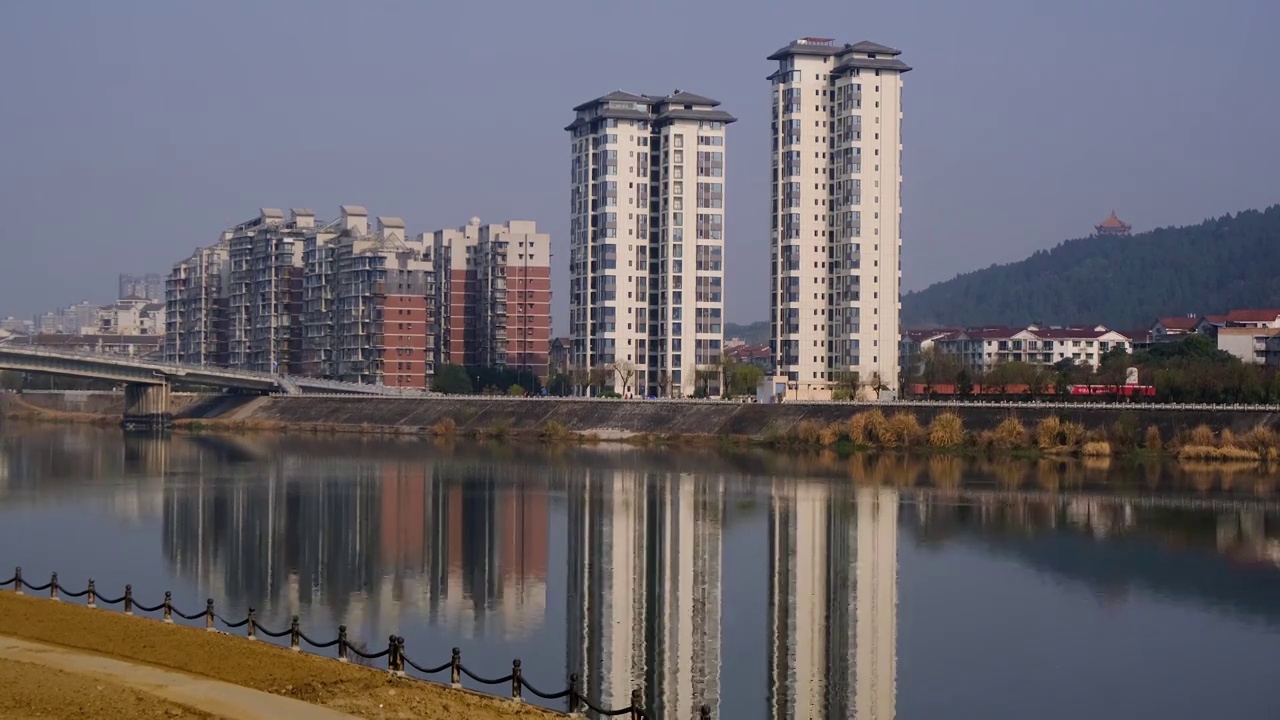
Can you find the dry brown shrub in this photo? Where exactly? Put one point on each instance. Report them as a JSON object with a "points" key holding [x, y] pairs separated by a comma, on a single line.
{"points": [[869, 428], [1200, 435], [1227, 439], [831, 434], [1073, 434], [1152, 441], [444, 428], [1048, 432], [1010, 433], [1261, 440], [946, 430], [807, 432], [904, 430], [1096, 449]]}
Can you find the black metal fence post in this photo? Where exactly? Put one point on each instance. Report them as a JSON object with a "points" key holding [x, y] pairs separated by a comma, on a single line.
{"points": [[128, 599], [400, 655], [704, 713], [515, 680], [93, 595], [295, 643], [53, 586], [168, 607], [17, 580], [252, 624], [575, 701], [455, 668], [637, 704], [208, 615], [342, 643], [391, 654]]}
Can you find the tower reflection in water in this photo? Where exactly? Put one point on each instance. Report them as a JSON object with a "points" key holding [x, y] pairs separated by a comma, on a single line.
{"points": [[358, 543], [645, 583], [833, 597]]}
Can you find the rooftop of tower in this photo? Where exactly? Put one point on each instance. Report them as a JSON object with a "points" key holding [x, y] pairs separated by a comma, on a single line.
{"points": [[865, 54]]}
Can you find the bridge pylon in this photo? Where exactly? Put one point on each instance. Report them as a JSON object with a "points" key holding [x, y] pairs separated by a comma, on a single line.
{"points": [[146, 407]]}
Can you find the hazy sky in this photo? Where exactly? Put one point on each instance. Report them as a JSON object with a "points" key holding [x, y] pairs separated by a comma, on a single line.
{"points": [[134, 131]]}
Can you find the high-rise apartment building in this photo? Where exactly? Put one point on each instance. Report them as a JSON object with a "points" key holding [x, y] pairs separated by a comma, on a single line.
{"points": [[836, 233], [264, 301], [646, 252], [143, 287], [493, 302], [196, 306]]}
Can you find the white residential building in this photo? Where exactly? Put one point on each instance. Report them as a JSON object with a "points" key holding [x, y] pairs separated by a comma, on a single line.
{"points": [[647, 241], [836, 232], [984, 348]]}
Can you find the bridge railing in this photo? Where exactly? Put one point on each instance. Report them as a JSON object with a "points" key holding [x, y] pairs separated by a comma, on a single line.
{"points": [[394, 653]]}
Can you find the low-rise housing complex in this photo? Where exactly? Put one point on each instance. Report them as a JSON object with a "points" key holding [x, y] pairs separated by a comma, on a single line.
{"points": [[982, 348], [361, 301]]}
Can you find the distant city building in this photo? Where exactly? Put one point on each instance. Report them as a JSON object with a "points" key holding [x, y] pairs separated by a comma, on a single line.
{"points": [[836, 215], [646, 248], [16, 325], [132, 316], [146, 287], [1113, 226], [135, 345], [265, 293]]}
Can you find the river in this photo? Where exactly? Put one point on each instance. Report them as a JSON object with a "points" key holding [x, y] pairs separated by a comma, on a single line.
{"points": [[761, 584]]}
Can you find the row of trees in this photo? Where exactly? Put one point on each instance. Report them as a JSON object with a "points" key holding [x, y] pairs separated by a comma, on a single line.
{"points": [[1190, 370]]}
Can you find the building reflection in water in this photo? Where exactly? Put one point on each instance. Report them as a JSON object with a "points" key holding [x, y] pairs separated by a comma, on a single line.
{"points": [[363, 541], [644, 584], [833, 570]]}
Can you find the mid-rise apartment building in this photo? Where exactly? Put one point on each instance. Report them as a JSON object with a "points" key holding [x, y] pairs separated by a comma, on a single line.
{"points": [[493, 302], [144, 287], [836, 231], [983, 348], [647, 241], [265, 292]]}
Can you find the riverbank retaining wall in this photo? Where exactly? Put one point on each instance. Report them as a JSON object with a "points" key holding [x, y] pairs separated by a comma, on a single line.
{"points": [[622, 418], [619, 418]]}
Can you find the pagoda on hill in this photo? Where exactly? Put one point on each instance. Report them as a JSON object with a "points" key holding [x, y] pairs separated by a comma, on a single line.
{"points": [[1113, 226]]}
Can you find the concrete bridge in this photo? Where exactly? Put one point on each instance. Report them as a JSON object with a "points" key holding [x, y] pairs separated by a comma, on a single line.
{"points": [[147, 383]]}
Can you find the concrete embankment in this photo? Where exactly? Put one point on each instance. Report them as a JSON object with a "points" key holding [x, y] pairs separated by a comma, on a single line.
{"points": [[620, 419], [613, 419]]}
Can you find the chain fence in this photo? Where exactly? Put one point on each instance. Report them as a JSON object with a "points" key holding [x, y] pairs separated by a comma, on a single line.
{"points": [[394, 653]]}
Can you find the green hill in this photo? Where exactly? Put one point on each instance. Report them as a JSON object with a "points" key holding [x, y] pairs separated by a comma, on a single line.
{"points": [[1123, 283], [756, 333]]}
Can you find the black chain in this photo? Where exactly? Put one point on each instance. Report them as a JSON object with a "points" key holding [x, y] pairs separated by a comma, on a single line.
{"points": [[313, 643], [185, 616], [374, 656], [139, 606], [426, 671], [37, 588], [545, 696], [109, 601], [232, 625], [484, 681], [268, 633], [68, 593]]}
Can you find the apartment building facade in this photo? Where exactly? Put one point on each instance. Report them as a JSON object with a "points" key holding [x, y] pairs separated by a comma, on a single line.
{"points": [[647, 230], [493, 301], [836, 225]]}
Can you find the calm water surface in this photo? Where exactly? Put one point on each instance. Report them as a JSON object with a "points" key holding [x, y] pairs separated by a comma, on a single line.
{"points": [[764, 585]]}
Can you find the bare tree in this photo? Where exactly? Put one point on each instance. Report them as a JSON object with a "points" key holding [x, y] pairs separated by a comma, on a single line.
{"points": [[580, 378], [664, 383], [600, 377], [626, 372]]}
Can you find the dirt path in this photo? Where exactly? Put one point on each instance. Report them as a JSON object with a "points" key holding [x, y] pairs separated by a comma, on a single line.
{"points": [[39, 680], [346, 688]]}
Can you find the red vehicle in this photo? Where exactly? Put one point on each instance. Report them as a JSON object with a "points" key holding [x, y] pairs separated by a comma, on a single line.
{"points": [[1112, 390]]}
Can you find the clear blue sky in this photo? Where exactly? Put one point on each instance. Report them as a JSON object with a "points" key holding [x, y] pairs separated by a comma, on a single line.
{"points": [[134, 131]]}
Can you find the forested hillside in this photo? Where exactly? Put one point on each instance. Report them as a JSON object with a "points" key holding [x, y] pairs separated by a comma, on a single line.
{"points": [[1124, 283]]}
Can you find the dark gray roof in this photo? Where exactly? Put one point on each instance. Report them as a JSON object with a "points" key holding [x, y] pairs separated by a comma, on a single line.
{"points": [[873, 64], [684, 98], [802, 48], [616, 113], [867, 46], [618, 95], [709, 115]]}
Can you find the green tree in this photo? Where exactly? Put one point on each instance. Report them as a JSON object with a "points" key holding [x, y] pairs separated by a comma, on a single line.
{"points": [[515, 391], [745, 379], [452, 380]]}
